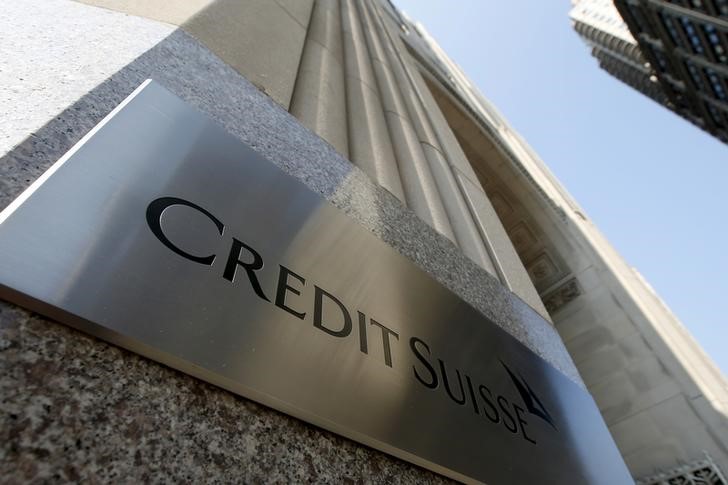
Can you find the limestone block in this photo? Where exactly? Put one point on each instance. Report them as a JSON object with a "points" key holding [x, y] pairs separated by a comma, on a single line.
{"points": [[325, 25], [574, 319], [370, 147], [508, 260], [601, 364], [389, 89], [614, 396], [455, 155], [586, 343], [466, 232], [420, 189], [690, 431], [298, 9], [660, 456], [258, 38], [635, 433], [356, 54], [163, 10], [319, 100]]}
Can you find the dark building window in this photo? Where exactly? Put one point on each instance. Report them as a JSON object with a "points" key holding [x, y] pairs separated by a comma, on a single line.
{"points": [[695, 76], [694, 4], [721, 6], [669, 24], [640, 19], [716, 83], [714, 114], [662, 63], [692, 35], [697, 5], [715, 44]]}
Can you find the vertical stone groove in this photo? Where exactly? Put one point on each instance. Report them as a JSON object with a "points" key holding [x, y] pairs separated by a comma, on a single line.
{"points": [[370, 147], [319, 98], [437, 153], [419, 186]]}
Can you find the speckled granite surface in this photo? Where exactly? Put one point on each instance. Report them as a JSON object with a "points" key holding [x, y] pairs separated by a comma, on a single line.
{"points": [[76, 409]]}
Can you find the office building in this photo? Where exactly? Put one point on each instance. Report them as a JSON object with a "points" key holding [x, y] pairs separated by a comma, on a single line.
{"points": [[682, 46], [361, 106], [600, 26]]}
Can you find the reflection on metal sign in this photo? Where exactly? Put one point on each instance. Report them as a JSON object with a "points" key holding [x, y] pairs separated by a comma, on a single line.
{"points": [[162, 233]]}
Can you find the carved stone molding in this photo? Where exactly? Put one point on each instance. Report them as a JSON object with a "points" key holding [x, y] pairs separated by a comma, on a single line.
{"points": [[522, 237], [502, 207], [562, 295], [542, 268], [702, 472]]}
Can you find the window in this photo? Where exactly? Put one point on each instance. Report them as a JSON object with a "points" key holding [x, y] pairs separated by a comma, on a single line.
{"points": [[640, 19], [722, 7], [697, 5], [662, 63], [669, 24], [692, 35], [695, 76], [714, 114], [714, 40], [716, 84]]}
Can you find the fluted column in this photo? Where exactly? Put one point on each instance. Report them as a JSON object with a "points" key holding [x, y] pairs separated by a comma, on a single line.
{"points": [[420, 189], [467, 233], [319, 99], [370, 147]]}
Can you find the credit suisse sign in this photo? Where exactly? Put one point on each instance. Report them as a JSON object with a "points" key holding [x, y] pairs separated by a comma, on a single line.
{"points": [[163, 234]]}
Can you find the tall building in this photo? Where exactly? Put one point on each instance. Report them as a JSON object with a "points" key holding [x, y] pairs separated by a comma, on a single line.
{"points": [[675, 52], [355, 103], [599, 24]]}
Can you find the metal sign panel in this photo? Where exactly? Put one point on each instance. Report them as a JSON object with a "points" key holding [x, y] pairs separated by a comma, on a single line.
{"points": [[163, 234]]}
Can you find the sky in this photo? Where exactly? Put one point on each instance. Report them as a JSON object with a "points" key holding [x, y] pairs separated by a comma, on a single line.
{"points": [[652, 182]]}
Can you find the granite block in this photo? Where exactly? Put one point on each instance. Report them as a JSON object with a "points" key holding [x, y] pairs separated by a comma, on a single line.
{"points": [[78, 410]]}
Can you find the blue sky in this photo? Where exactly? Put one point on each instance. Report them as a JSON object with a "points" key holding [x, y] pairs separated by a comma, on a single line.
{"points": [[653, 183]]}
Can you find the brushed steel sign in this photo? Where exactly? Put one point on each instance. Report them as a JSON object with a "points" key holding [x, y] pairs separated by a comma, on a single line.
{"points": [[163, 234]]}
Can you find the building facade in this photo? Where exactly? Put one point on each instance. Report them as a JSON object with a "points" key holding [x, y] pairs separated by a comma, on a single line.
{"points": [[629, 348], [360, 104], [601, 27], [682, 46]]}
